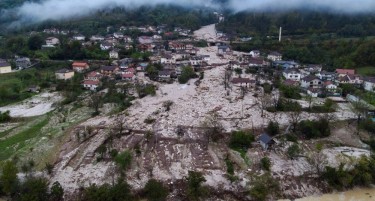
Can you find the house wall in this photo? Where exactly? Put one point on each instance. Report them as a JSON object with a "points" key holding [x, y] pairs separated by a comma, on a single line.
{"points": [[368, 86], [64, 76], [5, 69]]}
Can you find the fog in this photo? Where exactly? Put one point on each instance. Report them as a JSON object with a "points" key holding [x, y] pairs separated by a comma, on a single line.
{"points": [[63, 9]]}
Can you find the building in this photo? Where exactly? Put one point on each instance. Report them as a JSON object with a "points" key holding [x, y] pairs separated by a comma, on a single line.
{"points": [[311, 81], [91, 84], [128, 76], [97, 38], [292, 74], [223, 49], [243, 82], [113, 54], [266, 141], [275, 56], [164, 75], [93, 76], [23, 63], [5, 67], [344, 72], [313, 92], [52, 41], [329, 86], [108, 70], [255, 53], [145, 40], [79, 37], [369, 84], [80, 66], [64, 74]]}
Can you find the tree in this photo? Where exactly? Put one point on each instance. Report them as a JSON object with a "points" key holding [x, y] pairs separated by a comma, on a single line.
{"points": [[265, 163], [9, 177], [56, 192], [123, 160], [155, 191], [35, 42], [213, 127], [241, 140], [293, 150], [294, 117], [238, 71], [96, 102], [273, 128], [195, 189], [34, 189], [264, 102], [186, 74], [263, 186], [309, 99]]}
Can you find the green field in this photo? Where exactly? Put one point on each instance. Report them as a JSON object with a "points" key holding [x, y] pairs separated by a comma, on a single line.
{"points": [[366, 71]]}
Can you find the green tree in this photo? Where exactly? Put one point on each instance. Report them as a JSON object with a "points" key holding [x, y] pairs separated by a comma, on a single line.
{"points": [[34, 189], [273, 128], [195, 188], [56, 192], [186, 74], [9, 177], [35, 42], [124, 160], [263, 186], [241, 140], [155, 191], [293, 150], [265, 163]]}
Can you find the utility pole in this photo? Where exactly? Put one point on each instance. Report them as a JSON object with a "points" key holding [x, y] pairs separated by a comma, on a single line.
{"points": [[280, 33]]}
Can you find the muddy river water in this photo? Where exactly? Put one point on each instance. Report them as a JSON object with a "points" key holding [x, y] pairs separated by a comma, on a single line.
{"points": [[358, 194]]}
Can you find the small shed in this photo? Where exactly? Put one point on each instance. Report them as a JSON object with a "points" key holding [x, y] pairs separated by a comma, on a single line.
{"points": [[266, 141]]}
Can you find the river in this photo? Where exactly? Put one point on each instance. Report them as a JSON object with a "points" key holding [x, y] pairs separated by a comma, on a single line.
{"points": [[358, 194]]}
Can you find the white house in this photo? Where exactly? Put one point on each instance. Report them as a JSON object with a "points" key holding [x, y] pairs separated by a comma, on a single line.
{"points": [[275, 56], [52, 41], [79, 37], [97, 38], [311, 81], [292, 74], [330, 86], [313, 92], [255, 53], [113, 54], [91, 84], [118, 35], [167, 59], [106, 46], [5, 67], [145, 40], [369, 84]]}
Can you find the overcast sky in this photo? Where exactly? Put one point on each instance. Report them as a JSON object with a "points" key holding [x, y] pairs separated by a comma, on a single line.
{"points": [[62, 9]]}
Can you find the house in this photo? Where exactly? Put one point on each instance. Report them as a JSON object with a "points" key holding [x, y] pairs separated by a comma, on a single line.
{"points": [[329, 86], [5, 67], [344, 72], [355, 79], [109, 70], [311, 81], [145, 40], [255, 53], [292, 74], [145, 47], [156, 37], [257, 62], [275, 56], [97, 38], [266, 141], [142, 67], [93, 76], [79, 37], [113, 54], [369, 84], [128, 76], [167, 59], [128, 46], [118, 35], [80, 66], [324, 75], [91, 84], [127, 39], [223, 49], [291, 83], [64, 74], [313, 92], [52, 41], [164, 75], [285, 64], [243, 82], [106, 46], [23, 63], [176, 46], [196, 60]]}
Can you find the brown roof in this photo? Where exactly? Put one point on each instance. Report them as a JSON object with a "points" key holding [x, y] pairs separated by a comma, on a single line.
{"points": [[79, 64], [91, 82], [242, 80], [345, 71]]}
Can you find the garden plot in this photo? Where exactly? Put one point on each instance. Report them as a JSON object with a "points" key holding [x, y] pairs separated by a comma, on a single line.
{"points": [[35, 106]]}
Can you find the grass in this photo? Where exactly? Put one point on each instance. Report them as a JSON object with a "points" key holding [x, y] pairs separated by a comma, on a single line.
{"points": [[366, 71], [18, 141]]}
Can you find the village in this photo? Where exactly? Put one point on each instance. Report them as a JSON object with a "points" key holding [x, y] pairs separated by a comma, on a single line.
{"points": [[199, 87]]}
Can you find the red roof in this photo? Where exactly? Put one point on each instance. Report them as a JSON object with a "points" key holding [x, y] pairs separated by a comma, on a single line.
{"points": [[131, 70], [345, 71], [91, 82], [128, 75], [80, 64], [328, 83]]}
